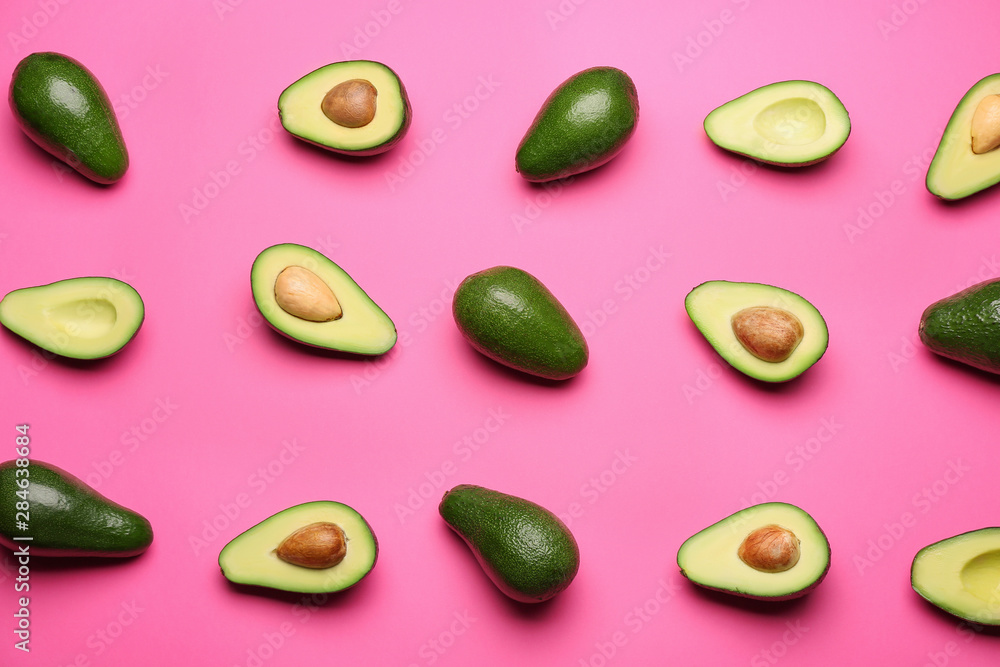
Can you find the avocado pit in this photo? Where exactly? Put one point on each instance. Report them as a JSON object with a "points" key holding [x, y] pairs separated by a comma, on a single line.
{"points": [[986, 125], [351, 103], [770, 548], [770, 334], [317, 546], [303, 294]]}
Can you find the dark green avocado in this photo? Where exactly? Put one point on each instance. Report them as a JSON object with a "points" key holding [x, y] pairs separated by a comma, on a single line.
{"points": [[525, 549], [63, 108], [64, 516], [511, 317], [583, 124], [965, 327]]}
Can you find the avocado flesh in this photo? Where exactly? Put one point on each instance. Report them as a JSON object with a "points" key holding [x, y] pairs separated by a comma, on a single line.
{"points": [[955, 171], [300, 108], [789, 123], [511, 317], [250, 558], [583, 124], [711, 306], [961, 575], [362, 329], [66, 517], [710, 557], [965, 327], [78, 318], [63, 108], [525, 550]]}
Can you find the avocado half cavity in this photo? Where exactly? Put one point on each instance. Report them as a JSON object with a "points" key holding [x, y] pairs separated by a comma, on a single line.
{"points": [[788, 123], [355, 107]]}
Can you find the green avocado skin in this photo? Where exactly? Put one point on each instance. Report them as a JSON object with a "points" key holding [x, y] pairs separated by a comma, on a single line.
{"points": [[65, 517], [63, 108], [965, 327], [525, 549], [509, 316], [583, 124]]}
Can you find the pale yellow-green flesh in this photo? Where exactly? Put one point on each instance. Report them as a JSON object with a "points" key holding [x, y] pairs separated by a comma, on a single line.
{"points": [[710, 558], [250, 557], [962, 575], [302, 115], [712, 305], [790, 122], [957, 172], [363, 329], [81, 318]]}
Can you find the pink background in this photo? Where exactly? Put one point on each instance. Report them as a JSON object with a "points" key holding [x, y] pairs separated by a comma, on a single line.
{"points": [[207, 417]]}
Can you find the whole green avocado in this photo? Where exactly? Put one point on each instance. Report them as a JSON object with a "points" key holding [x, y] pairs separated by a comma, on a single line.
{"points": [[965, 327], [583, 124], [63, 108], [525, 549], [63, 516], [511, 317]]}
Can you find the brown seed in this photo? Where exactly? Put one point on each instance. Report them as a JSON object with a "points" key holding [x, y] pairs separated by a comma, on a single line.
{"points": [[302, 293], [317, 546], [986, 125], [770, 548], [350, 103], [770, 334]]}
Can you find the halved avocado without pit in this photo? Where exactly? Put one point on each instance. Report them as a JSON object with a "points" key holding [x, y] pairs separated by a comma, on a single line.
{"points": [[967, 160], [961, 575], [766, 332], [303, 295], [788, 123], [773, 551], [77, 318], [355, 107], [316, 547]]}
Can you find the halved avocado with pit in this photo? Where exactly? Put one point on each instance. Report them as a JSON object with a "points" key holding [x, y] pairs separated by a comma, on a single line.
{"points": [[355, 107], [788, 123], [766, 332], [773, 551], [303, 295], [961, 575], [967, 160], [78, 318], [316, 547]]}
